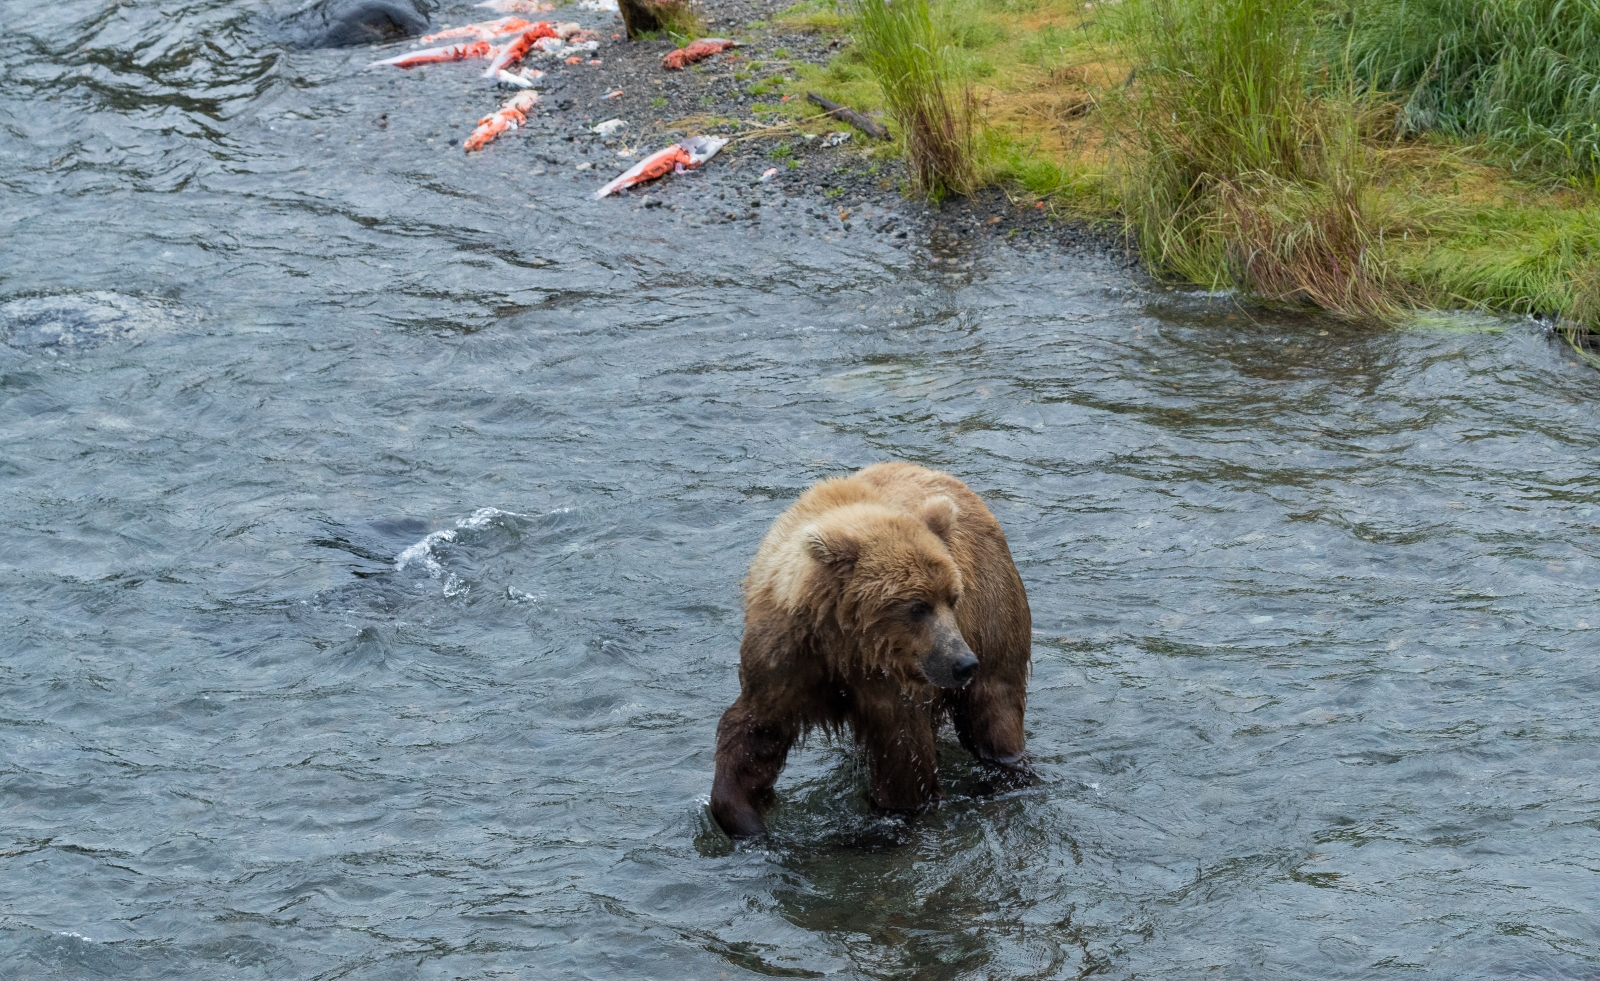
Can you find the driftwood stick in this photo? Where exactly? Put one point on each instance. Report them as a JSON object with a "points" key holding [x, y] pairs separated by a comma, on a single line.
{"points": [[848, 115]]}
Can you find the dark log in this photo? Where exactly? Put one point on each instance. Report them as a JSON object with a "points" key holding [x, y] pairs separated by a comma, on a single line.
{"points": [[848, 115]]}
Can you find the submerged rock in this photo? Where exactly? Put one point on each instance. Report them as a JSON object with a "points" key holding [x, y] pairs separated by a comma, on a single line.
{"points": [[346, 23]]}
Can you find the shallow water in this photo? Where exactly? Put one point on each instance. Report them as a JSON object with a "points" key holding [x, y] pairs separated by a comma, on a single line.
{"points": [[375, 519]]}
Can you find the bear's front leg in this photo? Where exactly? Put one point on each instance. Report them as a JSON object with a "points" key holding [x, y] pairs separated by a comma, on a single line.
{"points": [[751, 751], [896, 733]]}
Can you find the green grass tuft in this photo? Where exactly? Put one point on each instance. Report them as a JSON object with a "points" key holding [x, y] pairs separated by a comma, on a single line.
{"points": [[817, 16], [1521, 75], [934, 110], [1522, 259], [1233, 173]]}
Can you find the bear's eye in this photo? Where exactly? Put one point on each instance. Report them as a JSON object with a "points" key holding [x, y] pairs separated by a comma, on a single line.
{"points": [[917, 609]]}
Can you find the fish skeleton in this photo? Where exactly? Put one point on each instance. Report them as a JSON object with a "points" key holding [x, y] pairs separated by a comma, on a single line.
{"points": [[516, 49], [522, 80], [698, 51], [678, 157], [511, 115], [486, 31], [430, 56]]}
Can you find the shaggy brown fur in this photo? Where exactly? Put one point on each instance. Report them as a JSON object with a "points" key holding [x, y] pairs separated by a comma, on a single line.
{"points": [[863, 591]]}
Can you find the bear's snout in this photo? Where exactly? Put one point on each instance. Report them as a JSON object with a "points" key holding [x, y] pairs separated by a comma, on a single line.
{"points": [[965, 667], [951, 663]]}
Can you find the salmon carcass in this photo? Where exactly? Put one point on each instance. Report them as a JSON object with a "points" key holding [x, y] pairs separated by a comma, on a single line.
{"points": [[676, 158], [698, 51], [486, 31], [512, 114], [518, 48], [432, 56]]}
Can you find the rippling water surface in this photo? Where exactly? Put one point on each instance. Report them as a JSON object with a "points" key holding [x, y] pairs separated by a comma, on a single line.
{"points": [[375, 517]]}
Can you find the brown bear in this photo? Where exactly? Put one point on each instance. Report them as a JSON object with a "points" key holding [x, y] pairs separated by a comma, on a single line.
{"points": [[883, 602]]}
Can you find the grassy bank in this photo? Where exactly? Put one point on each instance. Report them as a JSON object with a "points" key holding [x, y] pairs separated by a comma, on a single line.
{"points": [[1365, 157], [924, 91]]}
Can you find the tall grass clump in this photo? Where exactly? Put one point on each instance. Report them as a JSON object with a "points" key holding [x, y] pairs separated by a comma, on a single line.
{"points": [[1585, 305], [1238, 174], [1522, 75], [934, 110]]}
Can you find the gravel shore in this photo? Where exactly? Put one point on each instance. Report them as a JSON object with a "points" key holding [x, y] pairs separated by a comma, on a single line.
{"points": [[837, 189]]}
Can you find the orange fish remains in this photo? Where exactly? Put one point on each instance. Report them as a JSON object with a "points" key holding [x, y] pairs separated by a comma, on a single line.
{"points": [[432, 56], [486, 31], [678, 158], [511, 115], [517, 49], [698, 51]]}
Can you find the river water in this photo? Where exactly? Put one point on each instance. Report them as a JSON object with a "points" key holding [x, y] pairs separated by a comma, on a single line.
{"points": [[375, 518]]}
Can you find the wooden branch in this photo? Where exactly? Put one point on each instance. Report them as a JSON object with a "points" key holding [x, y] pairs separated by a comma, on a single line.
{"points": [[848, 115]]}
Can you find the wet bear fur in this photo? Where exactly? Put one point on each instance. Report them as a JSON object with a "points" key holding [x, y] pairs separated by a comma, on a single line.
{"points": [[849, 605], [347, 23]]}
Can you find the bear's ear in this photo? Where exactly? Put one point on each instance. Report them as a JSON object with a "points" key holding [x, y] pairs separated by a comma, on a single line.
{"points": [[833, 548], [939, 514]]}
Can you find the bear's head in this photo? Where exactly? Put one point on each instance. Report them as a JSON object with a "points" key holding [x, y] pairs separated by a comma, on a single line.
{"points": [[895, 588]]}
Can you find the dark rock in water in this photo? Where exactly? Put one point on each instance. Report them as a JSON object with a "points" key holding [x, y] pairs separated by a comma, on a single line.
{"points": [[346, 23]]}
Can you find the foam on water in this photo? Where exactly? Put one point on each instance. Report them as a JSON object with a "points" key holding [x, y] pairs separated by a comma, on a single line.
{"points": [[77, 321], [423, 551]]}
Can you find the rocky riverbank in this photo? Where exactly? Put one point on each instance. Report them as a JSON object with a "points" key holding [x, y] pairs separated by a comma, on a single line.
{"points": [[834, 183]]}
